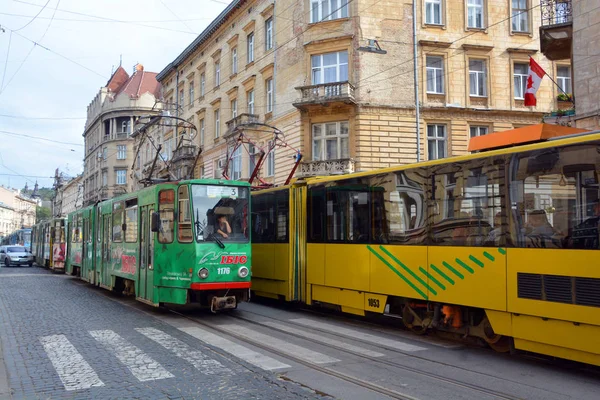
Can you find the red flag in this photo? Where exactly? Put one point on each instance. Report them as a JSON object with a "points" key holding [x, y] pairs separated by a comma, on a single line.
{"points": [[536, 73]]}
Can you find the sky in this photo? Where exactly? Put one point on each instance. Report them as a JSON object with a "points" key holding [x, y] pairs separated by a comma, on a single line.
{"points": [[45, 88]]}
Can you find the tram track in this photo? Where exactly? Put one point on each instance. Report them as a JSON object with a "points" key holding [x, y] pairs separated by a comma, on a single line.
{"points": [[454, 382]]}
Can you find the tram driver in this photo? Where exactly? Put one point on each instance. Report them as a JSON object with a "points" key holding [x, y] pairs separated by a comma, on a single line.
{"points": [[223, 227]]}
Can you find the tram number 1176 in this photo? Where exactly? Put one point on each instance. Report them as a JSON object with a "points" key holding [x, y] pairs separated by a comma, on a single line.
{"points": [[224, 271], [373, 303]]}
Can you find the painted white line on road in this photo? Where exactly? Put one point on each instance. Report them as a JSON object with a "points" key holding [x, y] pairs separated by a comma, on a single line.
{"points": [[201, 362], [250, 356], [74, 372], [141, 365], [356, 334], [280, 345], [322, 339]]}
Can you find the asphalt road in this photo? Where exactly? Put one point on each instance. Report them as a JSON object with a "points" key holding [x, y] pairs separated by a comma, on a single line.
{"points": [[62, 339]]}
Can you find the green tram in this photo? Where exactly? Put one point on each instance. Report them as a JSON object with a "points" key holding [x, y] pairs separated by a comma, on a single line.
{"points": [[48, 244], [176, 243]]}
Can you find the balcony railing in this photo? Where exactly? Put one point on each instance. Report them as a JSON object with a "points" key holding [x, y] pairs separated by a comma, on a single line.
{"points": [[239, 120], [185, 151], [325, 93], [122, 135], [555, 12], [327, 167]]}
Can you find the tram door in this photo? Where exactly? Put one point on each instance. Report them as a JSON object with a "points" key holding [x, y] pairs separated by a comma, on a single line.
{"points": [[145, 273], [104, 267]]}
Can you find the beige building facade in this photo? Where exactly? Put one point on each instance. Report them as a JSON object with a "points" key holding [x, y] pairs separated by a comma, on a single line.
{"points": [[18, 211], [311, 69], [111, 116], [68, 197], [570, 33]]}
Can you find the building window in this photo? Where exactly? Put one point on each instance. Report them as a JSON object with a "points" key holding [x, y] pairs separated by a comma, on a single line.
{"points": [[435, 75], [202, 84], [251, 159], [250, 97], [269, 86], [121, 152], [105, 153], [181, 98], [271, 160], [250, 49], [330, 141], [324, 10], [201, 125], [433, 12], [235, 164], [330, 67], [234, 63], [191, 93], [520, 16], [520, 80], [105, 178], [436, 141], [269, 34], [475, 14], [217, 74], [478, 130], [477, 78], [217, 123], [564, 79], [126, 126], [121, 177], [233, 108]]}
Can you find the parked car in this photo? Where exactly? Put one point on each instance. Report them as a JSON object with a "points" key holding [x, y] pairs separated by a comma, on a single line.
{"points": [[16, 255]]}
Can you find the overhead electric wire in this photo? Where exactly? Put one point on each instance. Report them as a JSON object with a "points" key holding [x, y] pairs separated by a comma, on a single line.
{"points": [[34, 17], [2, 88], [6, 61], [48, 118], [175, 15], [119, 21], [39, 138]]}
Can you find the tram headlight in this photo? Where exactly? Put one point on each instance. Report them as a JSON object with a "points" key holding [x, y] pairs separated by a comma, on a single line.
{"points": [[243, 272], [203, 273]]}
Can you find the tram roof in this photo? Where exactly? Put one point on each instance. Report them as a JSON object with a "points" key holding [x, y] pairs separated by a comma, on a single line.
{"points": [[526, 135]]}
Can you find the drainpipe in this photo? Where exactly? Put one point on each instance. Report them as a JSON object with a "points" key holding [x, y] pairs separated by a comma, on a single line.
{"points": [[416, 78]]}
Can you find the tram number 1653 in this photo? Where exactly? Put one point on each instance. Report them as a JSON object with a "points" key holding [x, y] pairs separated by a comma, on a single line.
{"points": [[373, 303]]}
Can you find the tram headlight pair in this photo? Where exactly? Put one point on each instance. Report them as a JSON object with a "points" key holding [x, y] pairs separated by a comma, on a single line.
{"points": [[243, 272], [203, 273]]}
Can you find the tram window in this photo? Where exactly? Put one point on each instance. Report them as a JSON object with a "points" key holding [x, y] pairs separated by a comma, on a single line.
{"points": [[467, 206], [166, 205], [131, 224], [74, 229], [283, 211], [348, 211], [555, 198], [184, 228], [316, 214], [117, 222]]}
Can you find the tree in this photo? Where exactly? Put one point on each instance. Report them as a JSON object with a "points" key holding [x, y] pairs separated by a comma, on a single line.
{"points": [[42, 213]]}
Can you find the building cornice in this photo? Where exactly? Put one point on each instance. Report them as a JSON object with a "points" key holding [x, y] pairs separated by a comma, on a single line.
{"points": [[435, 43]]}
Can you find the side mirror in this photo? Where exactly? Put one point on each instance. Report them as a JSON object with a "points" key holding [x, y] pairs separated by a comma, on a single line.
{"points": [[155, 223], [124, 227]]}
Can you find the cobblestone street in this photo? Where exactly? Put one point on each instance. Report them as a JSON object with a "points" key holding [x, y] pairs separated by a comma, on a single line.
{"points": [[63, 340]]}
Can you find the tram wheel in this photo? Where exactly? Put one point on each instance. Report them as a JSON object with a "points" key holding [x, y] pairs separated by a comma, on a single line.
{"points": [[501, 345], [408, 318]]}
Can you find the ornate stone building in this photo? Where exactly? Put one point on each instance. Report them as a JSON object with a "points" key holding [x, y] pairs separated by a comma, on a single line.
{"points": [[110, 119], [570, 33], [337, 79]]}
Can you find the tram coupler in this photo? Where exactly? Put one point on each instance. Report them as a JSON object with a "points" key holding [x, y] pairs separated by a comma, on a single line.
{"points": [[222, 303]]}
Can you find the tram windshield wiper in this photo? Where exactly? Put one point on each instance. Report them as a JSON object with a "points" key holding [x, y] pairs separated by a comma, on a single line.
{"points": [[217, 240]]}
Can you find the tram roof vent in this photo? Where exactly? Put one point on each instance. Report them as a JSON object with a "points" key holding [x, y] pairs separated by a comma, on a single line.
{"points": [[520, 136]]}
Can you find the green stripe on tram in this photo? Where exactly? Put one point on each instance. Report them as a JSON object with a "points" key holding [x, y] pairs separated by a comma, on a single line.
{"points": [[489, 256], [442, 274], [418, 278], [390, 266], [464, 265], [451, 268], [424, 271]]}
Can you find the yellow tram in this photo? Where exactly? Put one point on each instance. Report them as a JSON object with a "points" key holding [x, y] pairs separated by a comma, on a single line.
{"points": [[502, 245]]}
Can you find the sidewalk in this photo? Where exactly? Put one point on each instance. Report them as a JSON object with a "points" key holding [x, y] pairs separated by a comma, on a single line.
{"points": [[5, 393]]}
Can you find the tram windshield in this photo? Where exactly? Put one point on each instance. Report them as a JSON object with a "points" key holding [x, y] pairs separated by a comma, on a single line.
{"points": [[220, 212]]}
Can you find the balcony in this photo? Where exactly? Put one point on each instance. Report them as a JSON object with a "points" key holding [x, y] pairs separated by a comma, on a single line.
{"points": [[244, 119], [325, 94], [184, 152], [122, 135], [326, 168], [556, 30]]}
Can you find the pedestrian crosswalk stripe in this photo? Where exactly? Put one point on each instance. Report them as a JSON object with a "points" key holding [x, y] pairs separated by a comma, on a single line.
{"points": [[141, 365], [72, 369], [280, 345], [200, 361], [356, 334], [250, 356], [323, 339]]}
